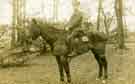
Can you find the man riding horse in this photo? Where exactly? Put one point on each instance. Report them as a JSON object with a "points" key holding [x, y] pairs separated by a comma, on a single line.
{"points": [[72, 42], [75, 25]]}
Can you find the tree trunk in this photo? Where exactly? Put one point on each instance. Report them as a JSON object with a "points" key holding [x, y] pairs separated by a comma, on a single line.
{"points": [[107, 23], [55, 10], [17, 20], [13, 35], [99, 14], [119, 14]]}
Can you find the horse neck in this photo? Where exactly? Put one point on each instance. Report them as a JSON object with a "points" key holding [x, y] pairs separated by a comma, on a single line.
{"points": [[47, 35], [51, 34]]}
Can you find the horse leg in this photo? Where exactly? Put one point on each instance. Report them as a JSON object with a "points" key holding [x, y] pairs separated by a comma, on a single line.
{"points": [[67, 68], [60, 66], [100, 71], [104, 63]]}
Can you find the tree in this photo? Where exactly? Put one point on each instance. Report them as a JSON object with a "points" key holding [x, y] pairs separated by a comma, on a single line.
{"points": [[14, 18], [120, 27], [107, 22], [55, 8], [17, 20], [99, 14]]}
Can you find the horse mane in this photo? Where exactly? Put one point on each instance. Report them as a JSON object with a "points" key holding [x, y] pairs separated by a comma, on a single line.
{"points": [[52, 28]]}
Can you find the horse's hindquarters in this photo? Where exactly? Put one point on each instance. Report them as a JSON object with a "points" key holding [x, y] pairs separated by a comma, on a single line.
{"points": [[99, 48]]}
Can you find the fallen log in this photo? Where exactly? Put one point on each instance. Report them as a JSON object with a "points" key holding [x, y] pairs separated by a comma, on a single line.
{"points": [[16, 57]]}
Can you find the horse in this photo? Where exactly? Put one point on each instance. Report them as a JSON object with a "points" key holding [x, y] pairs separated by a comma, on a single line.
{"points": [[61, 47]]}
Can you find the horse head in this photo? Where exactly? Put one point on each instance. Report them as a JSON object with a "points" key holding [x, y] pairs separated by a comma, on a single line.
{"points": [[34, 30]]}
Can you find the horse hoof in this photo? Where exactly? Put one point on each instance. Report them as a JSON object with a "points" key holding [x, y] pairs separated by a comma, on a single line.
{"points": [[97, 79], [69, 83], [62, 82], [104, 81]]}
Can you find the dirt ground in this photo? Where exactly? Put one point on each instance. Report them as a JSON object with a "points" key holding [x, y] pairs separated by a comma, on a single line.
{"points": [[43, 70]]}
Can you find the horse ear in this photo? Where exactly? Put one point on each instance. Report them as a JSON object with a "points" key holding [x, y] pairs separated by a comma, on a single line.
{"points": [[34, 21]]}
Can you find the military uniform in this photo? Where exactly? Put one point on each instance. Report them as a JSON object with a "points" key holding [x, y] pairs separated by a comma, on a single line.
{"points": [[76, 33], [74, 24], [75, 21]]}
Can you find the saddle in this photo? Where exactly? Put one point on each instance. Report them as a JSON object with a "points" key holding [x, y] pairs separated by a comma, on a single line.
{"points": [[79, 43]]}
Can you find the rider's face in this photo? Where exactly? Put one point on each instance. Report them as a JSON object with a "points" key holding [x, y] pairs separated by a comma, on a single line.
{"points": [[76, 8], [76, 5]]}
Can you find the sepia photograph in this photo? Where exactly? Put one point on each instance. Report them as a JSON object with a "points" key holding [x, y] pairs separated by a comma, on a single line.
{"points": [[67, 42]]}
